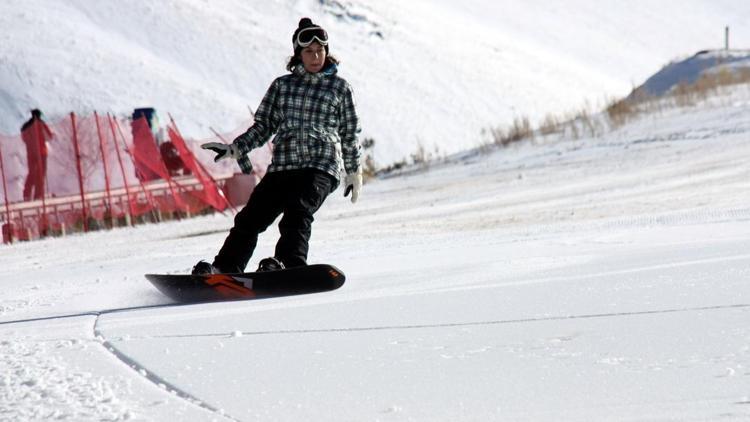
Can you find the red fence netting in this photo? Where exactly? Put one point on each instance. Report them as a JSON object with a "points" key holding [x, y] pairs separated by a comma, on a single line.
{"points": [[96, 171]]}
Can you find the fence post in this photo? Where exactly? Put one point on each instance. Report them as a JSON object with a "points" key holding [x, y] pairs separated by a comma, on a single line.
{"points": [[130, 216], [8, 225], [106, 170], [42, 175], [84, 213]]}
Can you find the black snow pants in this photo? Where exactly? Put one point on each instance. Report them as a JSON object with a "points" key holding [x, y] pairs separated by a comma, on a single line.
{"points": [[297, 194]]}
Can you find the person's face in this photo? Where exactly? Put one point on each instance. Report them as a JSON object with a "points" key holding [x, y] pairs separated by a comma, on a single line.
{"points": [[313, 57]]}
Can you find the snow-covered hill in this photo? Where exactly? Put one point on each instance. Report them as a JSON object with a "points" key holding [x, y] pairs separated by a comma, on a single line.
{"points": [[579, 280], [590, 280], [691, 69], [426, 72]]}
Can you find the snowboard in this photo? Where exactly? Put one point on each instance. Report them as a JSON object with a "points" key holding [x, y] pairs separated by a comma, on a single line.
{"points": [[220, 287]]}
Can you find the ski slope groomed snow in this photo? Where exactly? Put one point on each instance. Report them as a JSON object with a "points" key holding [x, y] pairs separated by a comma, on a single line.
{"points": [[602, 279]]}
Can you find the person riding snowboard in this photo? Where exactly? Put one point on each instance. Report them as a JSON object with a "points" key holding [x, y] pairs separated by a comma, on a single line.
{"points": [[311, 111]]}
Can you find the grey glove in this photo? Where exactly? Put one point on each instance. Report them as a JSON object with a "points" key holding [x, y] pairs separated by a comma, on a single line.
{"points": [[223, 151]]}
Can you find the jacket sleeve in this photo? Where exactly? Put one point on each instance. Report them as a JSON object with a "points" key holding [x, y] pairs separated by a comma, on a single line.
{"points": [[265, 125], [349, 129]]}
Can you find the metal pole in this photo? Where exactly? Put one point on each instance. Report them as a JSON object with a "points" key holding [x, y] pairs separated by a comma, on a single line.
{"points": [[122, 169], [726, 38], [42, 173], [80, 173], [7, 203], [106, 168]]}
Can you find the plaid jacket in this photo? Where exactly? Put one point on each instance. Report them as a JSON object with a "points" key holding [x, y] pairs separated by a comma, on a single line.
{"points": [[315, 122]]}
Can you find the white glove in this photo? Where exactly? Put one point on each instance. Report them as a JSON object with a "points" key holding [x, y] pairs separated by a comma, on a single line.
{"points": [[222, 151], [353, 184]]}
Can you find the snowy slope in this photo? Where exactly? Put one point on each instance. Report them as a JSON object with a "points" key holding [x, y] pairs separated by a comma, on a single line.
{"points": [[689, 70], [599, 279], [426, 72]]}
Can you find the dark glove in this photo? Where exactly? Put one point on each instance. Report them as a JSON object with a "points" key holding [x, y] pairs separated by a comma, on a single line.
{"points": [[223, 151]]}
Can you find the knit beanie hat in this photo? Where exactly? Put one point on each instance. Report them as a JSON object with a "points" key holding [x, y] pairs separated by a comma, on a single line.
{"points": [[309, 32]]}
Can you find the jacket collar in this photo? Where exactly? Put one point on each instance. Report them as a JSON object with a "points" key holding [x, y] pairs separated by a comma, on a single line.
{"points": [[300, 71]]}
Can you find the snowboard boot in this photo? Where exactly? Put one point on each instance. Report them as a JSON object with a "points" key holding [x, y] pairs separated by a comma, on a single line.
{"points": [[270, 264], [204, 268]]}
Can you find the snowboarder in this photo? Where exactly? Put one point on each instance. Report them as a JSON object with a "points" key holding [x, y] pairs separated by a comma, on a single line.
{"points": [[311, 111], [35, 134]]}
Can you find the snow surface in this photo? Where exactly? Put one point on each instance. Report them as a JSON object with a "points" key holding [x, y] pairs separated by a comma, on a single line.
{"points": [[599, 279], [469, 65]]}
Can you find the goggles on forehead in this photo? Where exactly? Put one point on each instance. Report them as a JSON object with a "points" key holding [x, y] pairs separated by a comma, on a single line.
{"points": [[309, 35]]}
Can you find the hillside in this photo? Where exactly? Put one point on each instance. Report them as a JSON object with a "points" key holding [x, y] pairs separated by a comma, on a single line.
{"points": [[597, 279], [689, 70], [427, 74]]}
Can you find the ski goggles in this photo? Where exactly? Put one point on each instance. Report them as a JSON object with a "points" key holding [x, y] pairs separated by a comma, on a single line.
{"points": [[309, 35]]}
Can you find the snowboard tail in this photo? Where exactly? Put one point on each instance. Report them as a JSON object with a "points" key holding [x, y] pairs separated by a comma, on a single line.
{"points": [[220, 287]]}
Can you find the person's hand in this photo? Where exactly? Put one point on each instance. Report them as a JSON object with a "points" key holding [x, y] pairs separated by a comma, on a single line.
{"points": [[222, 151], [353, 185]]}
